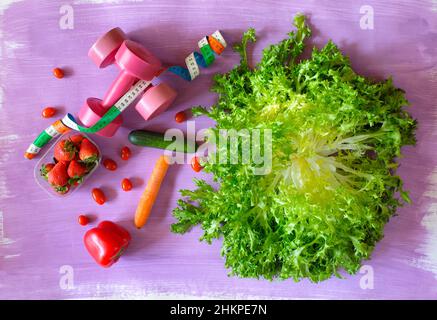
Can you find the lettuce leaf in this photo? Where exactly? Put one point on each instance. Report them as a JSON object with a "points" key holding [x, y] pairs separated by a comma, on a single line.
{"points": [[332, 187]]}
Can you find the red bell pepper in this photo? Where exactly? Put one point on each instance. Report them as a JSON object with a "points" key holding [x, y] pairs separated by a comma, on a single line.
{"points": [[107, 242]]}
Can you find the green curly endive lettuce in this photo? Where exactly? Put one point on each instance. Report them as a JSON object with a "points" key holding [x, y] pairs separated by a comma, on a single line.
{"points": [[332, 186]]}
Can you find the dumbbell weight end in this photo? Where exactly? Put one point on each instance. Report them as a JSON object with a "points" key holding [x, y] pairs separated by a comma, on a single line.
{"points": [[92, 111]]}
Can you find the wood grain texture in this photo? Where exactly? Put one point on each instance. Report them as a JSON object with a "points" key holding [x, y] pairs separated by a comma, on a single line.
{"points": [[39, 235]]}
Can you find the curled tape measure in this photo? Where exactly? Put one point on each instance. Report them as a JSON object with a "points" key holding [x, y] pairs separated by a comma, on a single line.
{"points": [[209, 46]]}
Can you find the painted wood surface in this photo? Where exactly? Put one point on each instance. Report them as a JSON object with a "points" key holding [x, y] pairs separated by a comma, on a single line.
{"points": [[40, 240]]}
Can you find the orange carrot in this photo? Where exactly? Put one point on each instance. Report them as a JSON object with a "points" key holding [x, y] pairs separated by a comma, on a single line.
{"points": [[151, 192]]}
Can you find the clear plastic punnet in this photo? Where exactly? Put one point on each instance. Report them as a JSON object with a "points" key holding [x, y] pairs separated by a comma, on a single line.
{"points": [[48, 158]]}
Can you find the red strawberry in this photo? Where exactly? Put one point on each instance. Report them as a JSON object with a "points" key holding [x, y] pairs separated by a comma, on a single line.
{"points": [[77, 139], [65, 150], [58, 177], [76, 171], [88, 151], [45, 169]]}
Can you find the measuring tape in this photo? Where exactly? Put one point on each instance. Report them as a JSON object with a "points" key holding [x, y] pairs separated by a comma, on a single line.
{"points": [[207, 45], [112, 113], [55, 130], [69, 122]]}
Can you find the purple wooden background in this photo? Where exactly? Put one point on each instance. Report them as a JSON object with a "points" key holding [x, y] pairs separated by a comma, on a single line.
{"points": [[39, 235]]}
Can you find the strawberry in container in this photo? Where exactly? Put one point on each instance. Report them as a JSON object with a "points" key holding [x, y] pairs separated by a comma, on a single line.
{"points": [[67, 164], [58, 178]]}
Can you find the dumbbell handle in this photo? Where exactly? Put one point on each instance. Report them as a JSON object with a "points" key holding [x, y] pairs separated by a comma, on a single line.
{"points": [[120, 85]]}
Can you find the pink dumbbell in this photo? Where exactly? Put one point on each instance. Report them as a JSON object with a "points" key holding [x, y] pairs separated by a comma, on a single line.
{"points": [[102, 53], [135, 62]]}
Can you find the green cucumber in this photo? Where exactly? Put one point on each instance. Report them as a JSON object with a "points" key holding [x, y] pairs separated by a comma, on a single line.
{"points": [[156, 140]]}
